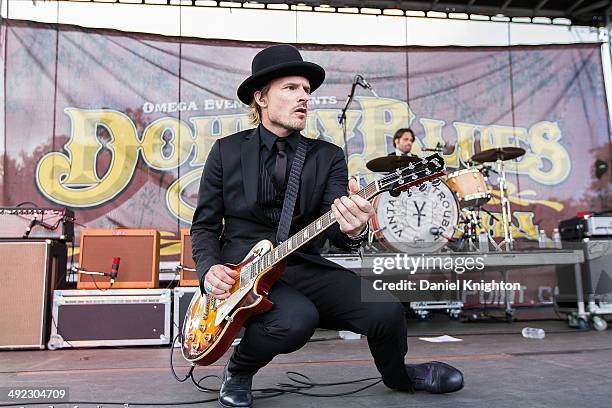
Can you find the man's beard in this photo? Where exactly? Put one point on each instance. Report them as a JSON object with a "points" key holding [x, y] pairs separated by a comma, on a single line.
{"points": [[289, 124]]}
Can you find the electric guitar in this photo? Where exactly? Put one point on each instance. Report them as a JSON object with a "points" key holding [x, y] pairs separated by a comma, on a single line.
{"points": [[211, 324]]}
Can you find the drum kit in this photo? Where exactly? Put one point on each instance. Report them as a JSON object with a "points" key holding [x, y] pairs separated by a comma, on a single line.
{"points": [[449, 210]]}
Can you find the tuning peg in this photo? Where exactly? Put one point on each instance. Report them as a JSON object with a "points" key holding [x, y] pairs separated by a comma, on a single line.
{"points": [[394, 193], [423, 187], [436, 182]]}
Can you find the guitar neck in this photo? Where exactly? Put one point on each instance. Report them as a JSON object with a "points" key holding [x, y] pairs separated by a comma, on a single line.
{"points": [[308, 233], [396, 181]]}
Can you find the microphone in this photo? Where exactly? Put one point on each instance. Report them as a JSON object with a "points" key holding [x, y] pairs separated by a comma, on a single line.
{"points": [[439, 148], [435, 231], [486, 169], [439, 232], [114, 270], [361, 81]]}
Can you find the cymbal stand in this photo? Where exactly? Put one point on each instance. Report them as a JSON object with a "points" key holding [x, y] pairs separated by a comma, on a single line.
{"points": [[505, 204]]}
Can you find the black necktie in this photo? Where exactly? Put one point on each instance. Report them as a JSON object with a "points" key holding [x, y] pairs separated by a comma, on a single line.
{"points": [[280, 167]]}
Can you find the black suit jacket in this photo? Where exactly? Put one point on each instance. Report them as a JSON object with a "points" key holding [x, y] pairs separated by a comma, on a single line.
{"points": [[228, 221]]}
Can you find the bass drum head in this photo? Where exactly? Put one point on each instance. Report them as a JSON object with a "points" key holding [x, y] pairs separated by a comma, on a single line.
{"points": [[409, 223]]}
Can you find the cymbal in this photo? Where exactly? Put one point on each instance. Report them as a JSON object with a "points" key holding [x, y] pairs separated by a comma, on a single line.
{"points": [[498, 153], [387, 164]]}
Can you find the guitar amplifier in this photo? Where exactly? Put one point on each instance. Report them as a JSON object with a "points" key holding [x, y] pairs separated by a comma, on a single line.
{"points": [[188, 278], [138, 250], [29, 271], [115, 317], [46, 223], [576, 228], [596, 275]]}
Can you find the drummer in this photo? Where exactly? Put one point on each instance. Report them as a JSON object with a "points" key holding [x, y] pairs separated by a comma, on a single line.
{"points": [[402, 141]]}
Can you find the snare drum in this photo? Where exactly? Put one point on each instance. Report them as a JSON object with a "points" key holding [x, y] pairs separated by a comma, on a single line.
{"points": [[470, 187], [419, 222]]}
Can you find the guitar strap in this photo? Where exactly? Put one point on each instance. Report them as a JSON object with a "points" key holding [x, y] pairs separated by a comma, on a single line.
{"points": [[291, 193]]}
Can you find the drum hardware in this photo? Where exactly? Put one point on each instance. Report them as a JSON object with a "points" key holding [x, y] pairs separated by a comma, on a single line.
{"points": [[469, 239], [485, 170], [472, 223], [499, 155], [370, 240]]}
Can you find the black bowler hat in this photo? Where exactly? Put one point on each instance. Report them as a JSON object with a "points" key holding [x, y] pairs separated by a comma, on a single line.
{"points": [[275, 62]]}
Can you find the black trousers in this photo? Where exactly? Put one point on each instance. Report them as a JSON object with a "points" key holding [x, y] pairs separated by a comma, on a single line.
{"points": [[310, 296]]}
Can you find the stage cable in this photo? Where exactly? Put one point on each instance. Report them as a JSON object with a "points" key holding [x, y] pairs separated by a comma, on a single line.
{"points": [[298, 382]]}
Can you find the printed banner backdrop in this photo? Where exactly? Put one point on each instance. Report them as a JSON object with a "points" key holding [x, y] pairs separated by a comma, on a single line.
{"points": [[117, 126]]}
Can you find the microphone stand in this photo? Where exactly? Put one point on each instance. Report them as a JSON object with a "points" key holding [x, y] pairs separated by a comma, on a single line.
{"points": [[342, 117]]}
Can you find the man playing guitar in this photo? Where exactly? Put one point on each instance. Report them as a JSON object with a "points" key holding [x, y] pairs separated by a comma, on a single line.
{"points": [[240, 201]]}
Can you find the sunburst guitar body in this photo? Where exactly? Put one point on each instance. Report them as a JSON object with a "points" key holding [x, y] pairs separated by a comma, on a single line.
{"points": [[211, 325]]}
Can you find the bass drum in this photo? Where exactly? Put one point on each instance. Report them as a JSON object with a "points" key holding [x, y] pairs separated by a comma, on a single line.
{"points": [[416, 222]]}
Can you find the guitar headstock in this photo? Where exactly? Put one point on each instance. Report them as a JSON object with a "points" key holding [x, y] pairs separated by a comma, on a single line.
{"points": [[412, 175]]}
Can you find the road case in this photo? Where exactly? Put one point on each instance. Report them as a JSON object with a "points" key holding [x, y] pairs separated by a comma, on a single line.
{"points": [[115, 317]]}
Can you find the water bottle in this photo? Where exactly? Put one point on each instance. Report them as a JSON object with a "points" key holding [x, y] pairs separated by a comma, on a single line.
{"points": [[483, 242], [542, 239], [556, 239], [533, 333]]}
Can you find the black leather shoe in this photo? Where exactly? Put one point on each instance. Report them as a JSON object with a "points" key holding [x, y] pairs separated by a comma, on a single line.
{"points": [[436, 377], [236, 390]]}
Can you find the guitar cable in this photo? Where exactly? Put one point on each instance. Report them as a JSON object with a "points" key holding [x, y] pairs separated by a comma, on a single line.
{"points": [[298, 384]]}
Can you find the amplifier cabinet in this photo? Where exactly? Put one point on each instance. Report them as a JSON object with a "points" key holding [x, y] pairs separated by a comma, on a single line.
{"points": [[139, 253], [188, 278], [596, 275], [115, 317], [43, 223], [577, 228], [29, 271]]}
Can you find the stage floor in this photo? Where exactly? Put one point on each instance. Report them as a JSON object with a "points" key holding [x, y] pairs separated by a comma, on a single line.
{"points": [[568, 368]]}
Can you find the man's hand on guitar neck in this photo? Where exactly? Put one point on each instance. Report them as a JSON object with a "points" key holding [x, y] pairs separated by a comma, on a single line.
{"points": [[352, 213], [218, 281]]}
